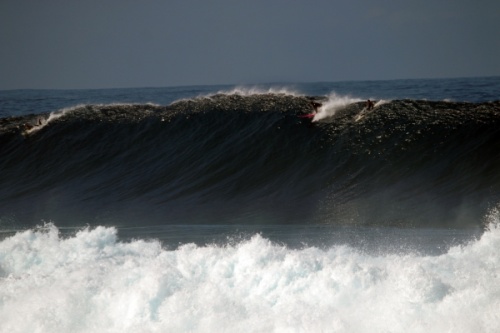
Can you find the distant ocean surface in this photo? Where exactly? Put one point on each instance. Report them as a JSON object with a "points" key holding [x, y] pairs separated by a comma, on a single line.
{"points": [[228, 209]]}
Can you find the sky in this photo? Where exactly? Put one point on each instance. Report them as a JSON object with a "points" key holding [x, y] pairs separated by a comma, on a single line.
{"points": [[61, 44]]}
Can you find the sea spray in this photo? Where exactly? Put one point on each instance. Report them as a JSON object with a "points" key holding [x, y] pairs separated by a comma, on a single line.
{"points": [[333, 104]]}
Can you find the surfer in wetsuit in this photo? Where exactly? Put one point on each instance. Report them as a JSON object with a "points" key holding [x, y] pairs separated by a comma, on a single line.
{"points": [[315, 106], [369, 105], [29, 126]]}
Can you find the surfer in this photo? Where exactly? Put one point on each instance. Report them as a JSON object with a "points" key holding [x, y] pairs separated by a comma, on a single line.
{"points": [[315, 106], [29, 126], [369, 105]]}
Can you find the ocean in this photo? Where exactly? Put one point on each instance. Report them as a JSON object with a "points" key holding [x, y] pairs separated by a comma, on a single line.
{"points": [[252, 208]]}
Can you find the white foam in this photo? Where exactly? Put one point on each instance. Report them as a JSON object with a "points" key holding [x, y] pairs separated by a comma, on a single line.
{"points": [[381, 102], [52, 116], [256, 90], [333, 104], [245, 91], [92, 282], [59, 113]]}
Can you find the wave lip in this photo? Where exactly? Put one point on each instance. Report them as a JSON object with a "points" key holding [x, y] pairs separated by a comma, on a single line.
{"points": [[333, 104]]}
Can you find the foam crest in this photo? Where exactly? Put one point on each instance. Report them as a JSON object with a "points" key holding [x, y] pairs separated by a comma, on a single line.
{"points": [[249, 91], [92, 282], [333, 104], [42, 122], [245, 91]]}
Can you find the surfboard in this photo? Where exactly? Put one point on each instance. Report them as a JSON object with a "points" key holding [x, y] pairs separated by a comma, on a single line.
{"points": [[366, 110], [360, 116], [309, 115]]}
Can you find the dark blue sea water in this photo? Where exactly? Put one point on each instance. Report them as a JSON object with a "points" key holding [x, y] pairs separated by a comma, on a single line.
{"points": [[223, 208]]}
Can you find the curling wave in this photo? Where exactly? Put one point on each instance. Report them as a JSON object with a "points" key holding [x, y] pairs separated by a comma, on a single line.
{"points": [[231, 156]]}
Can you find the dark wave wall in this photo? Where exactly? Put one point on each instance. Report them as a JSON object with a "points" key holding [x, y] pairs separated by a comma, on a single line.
{"points": [[252, 159]]}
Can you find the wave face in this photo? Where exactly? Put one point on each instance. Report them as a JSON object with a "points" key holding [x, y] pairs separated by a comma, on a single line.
{"points": [[229, 158]]}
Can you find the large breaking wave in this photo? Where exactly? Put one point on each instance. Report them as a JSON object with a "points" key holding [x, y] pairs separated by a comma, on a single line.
{"points": [[250, 157]]}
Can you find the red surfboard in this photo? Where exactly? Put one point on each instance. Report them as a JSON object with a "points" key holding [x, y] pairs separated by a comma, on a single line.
{"points": [[309, 115]]}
